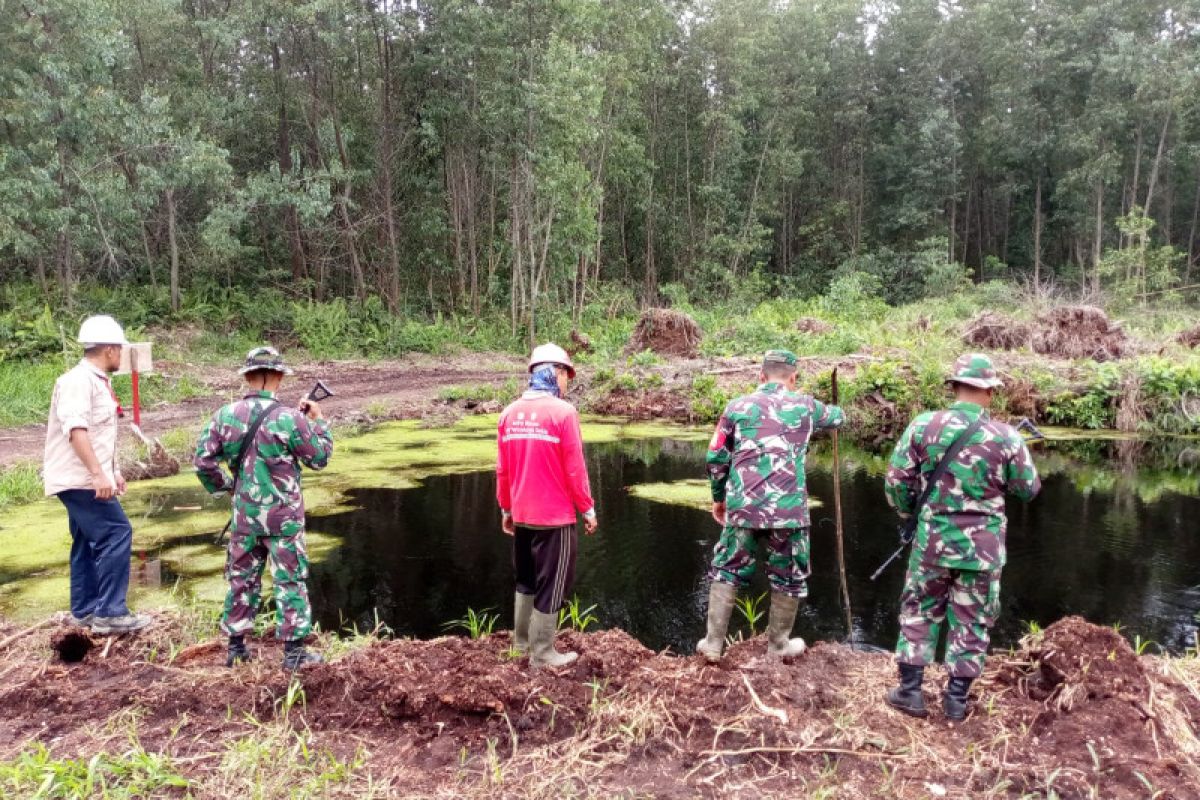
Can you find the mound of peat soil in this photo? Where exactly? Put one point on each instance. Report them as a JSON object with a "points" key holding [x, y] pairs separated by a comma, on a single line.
{"points": [[1074, 712], [992, 331], [667, 332], [1063, 332], [1189, 337]]}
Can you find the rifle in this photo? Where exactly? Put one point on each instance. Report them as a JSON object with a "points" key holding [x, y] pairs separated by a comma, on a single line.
{"points": [[908, 528], [318, 393]]}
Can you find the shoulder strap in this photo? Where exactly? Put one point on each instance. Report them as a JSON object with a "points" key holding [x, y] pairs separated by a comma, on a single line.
{"points": [[944, 464], [248, 440]]}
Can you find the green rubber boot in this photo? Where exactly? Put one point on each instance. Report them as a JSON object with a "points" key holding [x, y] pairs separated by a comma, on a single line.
{"points": [[721, 597], [522, 609], [542, 628], [779, 627]]}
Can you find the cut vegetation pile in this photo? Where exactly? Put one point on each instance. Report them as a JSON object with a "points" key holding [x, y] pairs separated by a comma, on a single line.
{"points": [[1074, 713], [812, 325], [1064, 332], [992, 331], [1079, 332], [667, 332], [1190, 337]]}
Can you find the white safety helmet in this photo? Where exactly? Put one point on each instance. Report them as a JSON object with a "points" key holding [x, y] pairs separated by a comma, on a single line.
{"points": [[101, 329], [550, 353]]}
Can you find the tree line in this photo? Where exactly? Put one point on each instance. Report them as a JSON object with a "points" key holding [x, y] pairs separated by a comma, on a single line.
{"points": [[475, 155]]}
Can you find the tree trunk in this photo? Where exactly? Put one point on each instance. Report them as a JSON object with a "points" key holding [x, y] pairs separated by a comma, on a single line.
{"points": [[169, 196], [1098, 237], [284, 143], [1191, 251], [1037, 233]]}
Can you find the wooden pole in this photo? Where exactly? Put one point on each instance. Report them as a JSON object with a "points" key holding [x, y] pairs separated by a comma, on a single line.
{"points": [[837, 516]]}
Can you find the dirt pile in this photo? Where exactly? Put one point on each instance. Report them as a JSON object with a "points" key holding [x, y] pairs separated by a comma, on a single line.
{"points": [[992, 331], [1189, 337], [667, 332], [812, 325], [1063, 332], [1075, 712], [1096, 704], [1079, 332]]}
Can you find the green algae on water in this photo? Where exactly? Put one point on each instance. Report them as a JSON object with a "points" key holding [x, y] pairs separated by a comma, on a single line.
{"points": [[691, 493], [176, 521]]}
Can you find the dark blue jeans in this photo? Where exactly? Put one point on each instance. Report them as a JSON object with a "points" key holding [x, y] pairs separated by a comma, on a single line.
{"points": [[101, 545]]}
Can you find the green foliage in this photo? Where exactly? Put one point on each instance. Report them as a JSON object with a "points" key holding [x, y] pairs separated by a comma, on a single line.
{"points": [[752, 609], [1094, 408], [575, 616], [37, 775], [20, 483], [476, 624], [706, 399]]}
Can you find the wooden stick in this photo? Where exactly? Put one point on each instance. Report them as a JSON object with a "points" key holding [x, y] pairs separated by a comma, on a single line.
{"points": [[28, 630], [837, 516]]}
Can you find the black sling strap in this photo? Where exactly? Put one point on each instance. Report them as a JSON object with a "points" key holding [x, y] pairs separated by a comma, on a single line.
{"points": [[942, 466], [247, 443]]}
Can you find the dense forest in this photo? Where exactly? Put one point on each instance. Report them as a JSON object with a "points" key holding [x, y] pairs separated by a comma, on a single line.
{"points": [[461, 156]]}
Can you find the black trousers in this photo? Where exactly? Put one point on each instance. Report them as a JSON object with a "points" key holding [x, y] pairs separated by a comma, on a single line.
{"points": [[544, 561]]}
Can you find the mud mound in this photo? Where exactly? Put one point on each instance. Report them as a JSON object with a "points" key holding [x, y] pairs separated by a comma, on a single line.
{"points": [[812, 325], [667, 332], [1190, 337], [642, 404], [159, 466], [1075, 661], [992, 331], [1079, 332], [580, 343]]}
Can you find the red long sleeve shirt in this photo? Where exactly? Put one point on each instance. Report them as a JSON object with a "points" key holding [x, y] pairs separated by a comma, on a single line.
{"points": [[541, 478]]}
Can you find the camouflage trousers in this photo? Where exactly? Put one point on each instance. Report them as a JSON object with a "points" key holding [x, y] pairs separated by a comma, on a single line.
{"points": [[736, 555], [244, 565], [971, 600]]}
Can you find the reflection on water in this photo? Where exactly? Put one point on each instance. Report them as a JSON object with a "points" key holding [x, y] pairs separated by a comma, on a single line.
{"points": [[1112, 537]]}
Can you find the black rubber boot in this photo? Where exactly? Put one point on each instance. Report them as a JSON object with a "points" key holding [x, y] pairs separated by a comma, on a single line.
{"points": [[237, 654], [954, 700], [296, 655], [907, 696]]}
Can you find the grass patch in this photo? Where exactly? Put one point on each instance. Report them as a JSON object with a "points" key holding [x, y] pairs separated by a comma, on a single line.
{"points": [[26, 388], [36, 773], [20, 483]]}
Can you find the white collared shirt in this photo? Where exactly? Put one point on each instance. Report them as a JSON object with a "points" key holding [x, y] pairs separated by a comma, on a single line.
{"points": [[82, 398]]}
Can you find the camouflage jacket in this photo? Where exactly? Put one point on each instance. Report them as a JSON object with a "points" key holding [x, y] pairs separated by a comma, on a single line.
{"points": [[756, 457], [962, 525], [269, 501]]}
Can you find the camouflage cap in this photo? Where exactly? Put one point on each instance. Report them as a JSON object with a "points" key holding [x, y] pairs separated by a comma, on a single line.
{"points": [[264, 358], [780, 357], [975, 369]]}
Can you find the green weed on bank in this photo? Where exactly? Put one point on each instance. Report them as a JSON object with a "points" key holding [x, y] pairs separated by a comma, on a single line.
{"points": [[135, 773], [20, 483]]}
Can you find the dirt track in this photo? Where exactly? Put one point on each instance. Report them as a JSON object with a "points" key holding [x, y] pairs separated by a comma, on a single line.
{"points": [[404, 388], [1074, 712]]}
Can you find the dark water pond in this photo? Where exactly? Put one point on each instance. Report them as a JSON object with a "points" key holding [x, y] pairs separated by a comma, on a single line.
{"points": [[1112, 540]]}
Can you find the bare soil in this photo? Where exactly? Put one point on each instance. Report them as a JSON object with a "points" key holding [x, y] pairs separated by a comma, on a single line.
{"points": [[1073, 711], [1069, 332]]}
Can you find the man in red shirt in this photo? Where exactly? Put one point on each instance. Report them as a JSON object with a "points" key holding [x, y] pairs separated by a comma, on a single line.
{"points": [[541, 482]]}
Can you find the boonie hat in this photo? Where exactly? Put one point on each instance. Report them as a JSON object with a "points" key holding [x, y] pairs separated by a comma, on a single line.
{"points": [[264, 358], [780, 357], [975, 369]]}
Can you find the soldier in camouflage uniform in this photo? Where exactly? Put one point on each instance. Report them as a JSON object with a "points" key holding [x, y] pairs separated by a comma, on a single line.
{"points": [[268, 507], [958, 550], [756, 473]]}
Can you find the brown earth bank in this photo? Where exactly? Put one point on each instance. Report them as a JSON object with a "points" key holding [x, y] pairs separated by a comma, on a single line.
{"points": [[365, 391], [1072, 713]]}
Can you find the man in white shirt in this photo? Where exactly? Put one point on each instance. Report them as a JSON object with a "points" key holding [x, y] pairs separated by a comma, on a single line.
{"points": [[80, 469]]}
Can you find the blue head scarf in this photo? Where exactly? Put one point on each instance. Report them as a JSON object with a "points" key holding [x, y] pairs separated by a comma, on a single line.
{"points": [[544, 378]]}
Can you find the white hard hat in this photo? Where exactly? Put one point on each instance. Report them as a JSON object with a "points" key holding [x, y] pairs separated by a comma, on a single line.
{"points": [[551, 354], [101, 329]]}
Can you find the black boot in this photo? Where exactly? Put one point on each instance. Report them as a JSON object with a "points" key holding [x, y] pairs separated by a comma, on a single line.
{"points": [[954, 701], [237, 654], [296, 655], [907, 696]]}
